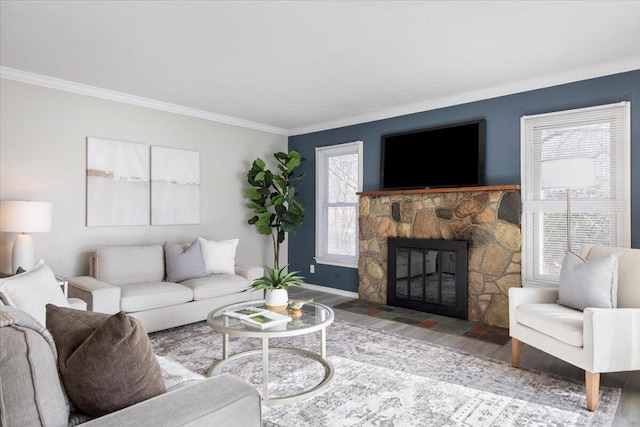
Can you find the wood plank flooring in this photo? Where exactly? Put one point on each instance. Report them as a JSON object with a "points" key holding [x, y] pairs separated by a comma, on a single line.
{"points": [[627, 414]]}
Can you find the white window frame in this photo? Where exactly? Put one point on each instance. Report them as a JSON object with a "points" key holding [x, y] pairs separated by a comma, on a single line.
{"points": [[322, 155], [534, 206]]}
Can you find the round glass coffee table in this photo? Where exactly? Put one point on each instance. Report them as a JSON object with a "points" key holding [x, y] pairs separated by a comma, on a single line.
{"points": [[315, 317]]}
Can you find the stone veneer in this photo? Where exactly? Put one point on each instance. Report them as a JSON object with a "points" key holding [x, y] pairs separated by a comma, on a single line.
{"points": [[487, 217]]}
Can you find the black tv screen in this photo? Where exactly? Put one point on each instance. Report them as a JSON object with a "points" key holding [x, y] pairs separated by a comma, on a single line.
{"points": [[437, 157]]}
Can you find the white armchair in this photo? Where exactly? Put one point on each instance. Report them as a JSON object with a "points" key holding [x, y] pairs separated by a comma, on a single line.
{"points": [[597, 340]]}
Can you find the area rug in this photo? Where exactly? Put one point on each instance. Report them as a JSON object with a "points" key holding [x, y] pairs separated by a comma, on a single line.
{"points": [[383, 379]]}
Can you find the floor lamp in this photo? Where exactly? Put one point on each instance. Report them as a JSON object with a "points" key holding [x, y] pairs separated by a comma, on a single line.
{"points": [[24, 217], [576, 172]]}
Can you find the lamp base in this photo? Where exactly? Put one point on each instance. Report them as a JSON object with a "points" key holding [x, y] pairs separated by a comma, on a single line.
{"points": [[22, 253]]}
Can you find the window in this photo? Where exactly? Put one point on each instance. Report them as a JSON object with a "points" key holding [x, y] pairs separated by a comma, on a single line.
{"points": [[600, 215], [338, 178]]}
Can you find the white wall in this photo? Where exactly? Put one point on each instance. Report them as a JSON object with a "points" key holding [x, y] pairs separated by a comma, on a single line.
{"points": [[43, 136]]}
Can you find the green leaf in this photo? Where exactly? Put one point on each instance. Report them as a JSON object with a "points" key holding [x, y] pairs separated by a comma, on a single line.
{"points": [[253, 194], [266, 230], [293, 163], [259, 163]]}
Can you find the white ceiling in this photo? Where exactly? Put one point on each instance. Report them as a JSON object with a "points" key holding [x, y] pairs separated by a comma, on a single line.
{"points": [[298, 66]]}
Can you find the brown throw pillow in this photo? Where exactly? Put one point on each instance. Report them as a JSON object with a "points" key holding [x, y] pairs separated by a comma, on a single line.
{"points": [[106, 361]]}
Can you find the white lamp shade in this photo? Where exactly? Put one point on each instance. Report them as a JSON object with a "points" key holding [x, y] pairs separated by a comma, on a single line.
{"points": [[25, 217], [577, 172]]}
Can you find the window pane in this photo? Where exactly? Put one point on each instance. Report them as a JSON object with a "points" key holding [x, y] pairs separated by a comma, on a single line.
{"points": [[341, 230], [586, 228], [589, 140], [342, 178]]}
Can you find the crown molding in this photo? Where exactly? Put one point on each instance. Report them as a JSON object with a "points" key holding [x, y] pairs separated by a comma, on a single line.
{"points": [[82, 89], [541, 82], [478, 95]]}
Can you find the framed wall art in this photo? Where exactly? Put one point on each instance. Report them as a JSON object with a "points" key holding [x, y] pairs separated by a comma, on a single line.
{"points": [[175, 186], [117, 183]]}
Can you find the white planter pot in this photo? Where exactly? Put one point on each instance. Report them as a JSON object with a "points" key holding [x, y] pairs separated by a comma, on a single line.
{"points": [[276, 299]]}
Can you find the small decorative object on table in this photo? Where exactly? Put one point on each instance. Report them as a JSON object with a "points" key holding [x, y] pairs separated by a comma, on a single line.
{"points": [[296, 307]]}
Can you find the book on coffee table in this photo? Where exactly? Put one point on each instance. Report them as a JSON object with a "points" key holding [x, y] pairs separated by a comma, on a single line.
{"points": [[266, 319], [243, 313], [258, 317]]}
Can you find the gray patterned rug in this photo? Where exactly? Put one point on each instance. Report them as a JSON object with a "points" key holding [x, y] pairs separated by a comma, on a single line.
{"points": [[382, 379]]}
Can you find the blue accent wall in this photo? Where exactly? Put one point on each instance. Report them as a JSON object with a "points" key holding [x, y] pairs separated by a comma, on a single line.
{"points": [[502, 152]]}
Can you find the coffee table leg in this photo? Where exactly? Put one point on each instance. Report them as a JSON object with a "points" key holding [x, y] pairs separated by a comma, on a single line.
{"points": [[225, 340], [265, 368], [225, 346], [323, 345]]}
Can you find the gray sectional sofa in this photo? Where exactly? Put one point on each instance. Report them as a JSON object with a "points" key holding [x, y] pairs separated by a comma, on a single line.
{"points": [[32, 392], [132, 279]]}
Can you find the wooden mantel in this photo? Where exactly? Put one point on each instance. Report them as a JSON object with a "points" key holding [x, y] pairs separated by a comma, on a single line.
{"points": [[440, 190]]}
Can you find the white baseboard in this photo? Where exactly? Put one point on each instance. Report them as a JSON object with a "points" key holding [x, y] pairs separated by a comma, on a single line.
{"points": [[331, 290]]}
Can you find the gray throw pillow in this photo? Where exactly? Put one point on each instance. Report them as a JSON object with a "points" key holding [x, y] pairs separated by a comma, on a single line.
{"points": [[589, 284], [183, 264]]}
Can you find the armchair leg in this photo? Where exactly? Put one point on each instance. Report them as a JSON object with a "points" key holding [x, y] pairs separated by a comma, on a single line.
{"points": [[516, 348], [593, 389]]}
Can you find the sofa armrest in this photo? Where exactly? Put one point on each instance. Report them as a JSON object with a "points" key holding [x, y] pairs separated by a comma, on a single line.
{"points": [[613, 335], [77, 304], [249, 271], [100, 296], [222, 401]]}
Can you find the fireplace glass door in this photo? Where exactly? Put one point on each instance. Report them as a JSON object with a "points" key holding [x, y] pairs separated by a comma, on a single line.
{"points": [[428, 276]]}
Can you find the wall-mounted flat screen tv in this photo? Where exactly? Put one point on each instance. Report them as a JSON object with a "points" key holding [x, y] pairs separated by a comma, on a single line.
{"points": [[444, 156]]}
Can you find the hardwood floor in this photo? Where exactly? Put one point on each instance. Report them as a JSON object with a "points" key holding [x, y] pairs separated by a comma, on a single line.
{"points": [[627, 414]]}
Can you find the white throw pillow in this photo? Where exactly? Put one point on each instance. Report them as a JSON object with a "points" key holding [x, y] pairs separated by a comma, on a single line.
{"points": [[219, 257], [589, 284], [32, 290]]}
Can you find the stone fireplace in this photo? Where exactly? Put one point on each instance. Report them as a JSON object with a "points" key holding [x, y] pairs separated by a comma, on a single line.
{"points": [[488, 218]]}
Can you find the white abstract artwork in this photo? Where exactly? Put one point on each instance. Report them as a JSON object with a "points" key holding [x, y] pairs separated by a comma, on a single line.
{"points": [[117, 183], [175, 186]]}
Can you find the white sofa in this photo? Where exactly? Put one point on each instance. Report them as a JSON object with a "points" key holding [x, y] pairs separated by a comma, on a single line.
{"points": [[597, 340], [131, 279]]}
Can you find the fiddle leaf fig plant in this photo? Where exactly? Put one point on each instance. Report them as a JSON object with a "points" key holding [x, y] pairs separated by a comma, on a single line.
{"points": [[277, 208]]}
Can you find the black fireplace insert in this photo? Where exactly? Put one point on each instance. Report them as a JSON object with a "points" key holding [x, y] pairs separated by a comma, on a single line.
{"points": [[428, 275]]}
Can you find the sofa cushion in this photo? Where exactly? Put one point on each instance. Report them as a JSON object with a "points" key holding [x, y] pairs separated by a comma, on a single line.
{"points": [[216, 285], [120, 265], [560, 322], [106, 361], [30, 390], [585, 284], [219, 257], [32, 290], [183, 263], [145, 296]]}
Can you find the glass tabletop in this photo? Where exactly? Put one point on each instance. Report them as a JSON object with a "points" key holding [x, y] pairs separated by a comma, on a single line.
{"points": [[315, 316]]}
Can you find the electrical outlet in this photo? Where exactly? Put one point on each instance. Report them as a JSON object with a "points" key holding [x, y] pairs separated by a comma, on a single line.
{"points": [[312, 268]]}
